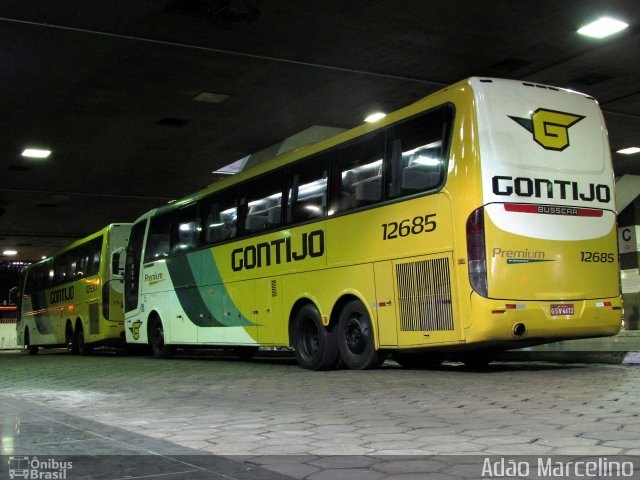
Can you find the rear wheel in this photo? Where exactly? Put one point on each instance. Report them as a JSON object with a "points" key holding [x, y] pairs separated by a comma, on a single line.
{"points": [[80, 345], [356, 339], [31, 349], [315, 345], [156, 340], [72, 346]]}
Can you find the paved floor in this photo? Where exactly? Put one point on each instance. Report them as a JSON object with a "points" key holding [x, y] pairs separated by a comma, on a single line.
{"points": [[270, 416]]}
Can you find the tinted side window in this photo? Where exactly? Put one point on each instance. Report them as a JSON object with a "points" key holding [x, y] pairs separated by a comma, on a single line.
{"points": [[357, 174], [95, 250], [159, 238], [132, 266], [220, 218], [262, 203], [59, 270], [307, 190], [186, 229], [417, 153]]}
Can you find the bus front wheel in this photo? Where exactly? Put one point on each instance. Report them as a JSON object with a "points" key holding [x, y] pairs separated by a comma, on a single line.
{"points": [[356, 338], [314, 344], [156, 340]]}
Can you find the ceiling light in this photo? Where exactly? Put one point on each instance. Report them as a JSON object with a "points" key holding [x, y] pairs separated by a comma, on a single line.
{"points": [[10, 253], [602, 27], [36, 153], [629, 150], [211, 97], [374, 117]]}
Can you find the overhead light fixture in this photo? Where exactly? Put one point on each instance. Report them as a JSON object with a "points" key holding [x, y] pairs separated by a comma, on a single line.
{"points": [[629, 150], [10, 253], [211, 97], [603, 27], [36, 153], [374, 117]]}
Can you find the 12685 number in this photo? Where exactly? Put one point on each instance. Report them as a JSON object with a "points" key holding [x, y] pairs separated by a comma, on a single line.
{"points": [[597, 257], [409, 226]]}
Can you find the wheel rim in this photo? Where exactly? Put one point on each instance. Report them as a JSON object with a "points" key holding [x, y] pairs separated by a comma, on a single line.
{"points": [[357, 334], [310, 338]]}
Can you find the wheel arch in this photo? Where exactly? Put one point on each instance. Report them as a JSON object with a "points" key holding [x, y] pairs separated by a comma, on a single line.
{"points": [[347, 297], [153, 315]]}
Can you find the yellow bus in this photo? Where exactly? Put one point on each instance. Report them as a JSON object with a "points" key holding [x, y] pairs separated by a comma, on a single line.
{"points": [[479, 218], [75, 298]]}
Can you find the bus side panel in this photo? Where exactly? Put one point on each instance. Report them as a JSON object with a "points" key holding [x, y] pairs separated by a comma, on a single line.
{"points": [[386, 296], [324, 288], [402, 229], [272, 325]]}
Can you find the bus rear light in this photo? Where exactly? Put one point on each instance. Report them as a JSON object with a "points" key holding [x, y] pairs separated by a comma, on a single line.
{"points": [[604, 304], [476, 252]]}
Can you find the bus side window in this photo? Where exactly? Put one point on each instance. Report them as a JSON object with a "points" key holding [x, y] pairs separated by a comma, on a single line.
{"points": [[72, 264], [220, 220], [357, 174], [95, 248], [186, 228], [159, 239], [306, 191], [417, 150], [59, 270], [262, 203], [83, 262]]}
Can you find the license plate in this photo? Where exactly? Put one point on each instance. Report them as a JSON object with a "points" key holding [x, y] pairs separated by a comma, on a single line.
{"points": [[562, 309]]}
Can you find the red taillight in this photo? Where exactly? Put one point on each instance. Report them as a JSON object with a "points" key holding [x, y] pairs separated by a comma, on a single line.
{"points": [[476, 252]]}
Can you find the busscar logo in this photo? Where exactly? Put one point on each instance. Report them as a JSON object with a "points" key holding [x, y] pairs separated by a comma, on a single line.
{"points": [[550, 128]]}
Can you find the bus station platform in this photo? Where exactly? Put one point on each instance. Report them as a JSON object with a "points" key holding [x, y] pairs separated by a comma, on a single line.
{"points": [[213, 416]]}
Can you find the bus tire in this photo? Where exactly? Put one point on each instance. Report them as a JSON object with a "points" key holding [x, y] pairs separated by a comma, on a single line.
{"points": [[356, 338], [31, 349], [81, 347], [156, 340], [70, 341], [315, 345]]}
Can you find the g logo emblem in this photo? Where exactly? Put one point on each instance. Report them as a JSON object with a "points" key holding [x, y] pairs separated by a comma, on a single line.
{"points": [[550, 128], [135, 329]]}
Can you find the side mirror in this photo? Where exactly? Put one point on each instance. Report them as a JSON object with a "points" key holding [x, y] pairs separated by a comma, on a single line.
{"points": [[117, 263]]}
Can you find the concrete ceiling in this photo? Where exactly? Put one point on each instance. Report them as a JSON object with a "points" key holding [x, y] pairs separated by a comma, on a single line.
{"points": [[109, 87]]}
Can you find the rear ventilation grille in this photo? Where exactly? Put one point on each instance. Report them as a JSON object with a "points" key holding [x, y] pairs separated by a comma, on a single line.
{"points": [[274, 288], [424, 295]]}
